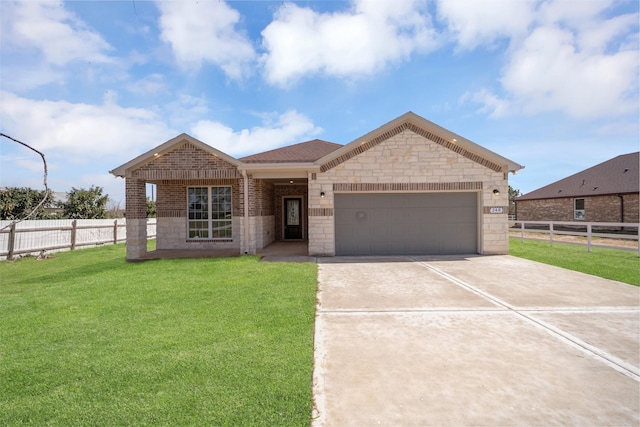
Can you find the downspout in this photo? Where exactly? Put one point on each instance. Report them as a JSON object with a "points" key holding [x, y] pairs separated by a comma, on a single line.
{"points": [[245, 226]]}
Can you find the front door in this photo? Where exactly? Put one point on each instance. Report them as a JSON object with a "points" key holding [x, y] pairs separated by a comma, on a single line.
{"points": [[293, 218]]}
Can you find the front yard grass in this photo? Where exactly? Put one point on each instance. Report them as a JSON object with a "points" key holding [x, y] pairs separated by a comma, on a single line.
{"points": [[88, 339], [615, 264]]}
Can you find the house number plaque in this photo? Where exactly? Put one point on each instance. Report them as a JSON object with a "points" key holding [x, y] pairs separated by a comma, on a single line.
{"points": [[496, 210]]}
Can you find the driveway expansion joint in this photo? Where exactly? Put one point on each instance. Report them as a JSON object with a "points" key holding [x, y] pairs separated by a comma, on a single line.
{"points": [[599, 354]]}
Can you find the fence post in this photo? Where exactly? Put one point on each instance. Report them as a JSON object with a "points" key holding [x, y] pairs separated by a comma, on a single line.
{"points": [[115, 231], [74, 226], [12, 241], [551, 234], [589, 237], [522, 233]]}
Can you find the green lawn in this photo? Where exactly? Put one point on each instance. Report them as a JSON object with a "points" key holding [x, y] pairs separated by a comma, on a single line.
{"points": [[614, 264], [88, 339]]}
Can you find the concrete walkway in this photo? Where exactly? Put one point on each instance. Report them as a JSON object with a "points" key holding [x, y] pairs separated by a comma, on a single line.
{"points": [[482, 341]]}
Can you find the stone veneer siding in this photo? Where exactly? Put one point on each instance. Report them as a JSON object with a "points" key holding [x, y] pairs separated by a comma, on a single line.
{"points": [[407, 161], [606, 208]]}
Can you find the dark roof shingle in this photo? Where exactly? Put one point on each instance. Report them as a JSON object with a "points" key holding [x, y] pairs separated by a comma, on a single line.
{"points": [[616, 176], [309, 151]]}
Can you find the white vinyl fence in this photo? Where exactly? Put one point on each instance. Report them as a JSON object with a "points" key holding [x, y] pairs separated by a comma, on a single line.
{"points": [[33, 236], [590, 230]]}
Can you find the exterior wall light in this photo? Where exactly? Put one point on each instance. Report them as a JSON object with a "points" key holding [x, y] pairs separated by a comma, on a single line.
{"points": [[322, 194], [496, 192]]}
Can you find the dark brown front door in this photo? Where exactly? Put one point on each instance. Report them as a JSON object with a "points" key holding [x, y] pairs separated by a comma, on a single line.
{"points": [[293, 218]]}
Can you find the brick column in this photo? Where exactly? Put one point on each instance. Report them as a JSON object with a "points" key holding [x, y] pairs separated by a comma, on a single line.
{"points": [[136, 219]]}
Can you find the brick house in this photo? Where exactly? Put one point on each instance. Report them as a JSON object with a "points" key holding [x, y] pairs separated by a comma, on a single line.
{"points": [[607, 192], [408, 187]]}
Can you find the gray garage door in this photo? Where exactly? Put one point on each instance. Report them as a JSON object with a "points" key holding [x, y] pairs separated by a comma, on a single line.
{"points": [[406, 224]]}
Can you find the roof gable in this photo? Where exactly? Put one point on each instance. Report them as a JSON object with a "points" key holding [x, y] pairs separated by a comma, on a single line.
{"points": [[308, 151], [425, 128], [167, 147], [615, 176], [185, 161]]}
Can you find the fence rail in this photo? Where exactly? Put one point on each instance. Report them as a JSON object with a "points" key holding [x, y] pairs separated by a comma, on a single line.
{"points": [[35, 236], [590, 230]]}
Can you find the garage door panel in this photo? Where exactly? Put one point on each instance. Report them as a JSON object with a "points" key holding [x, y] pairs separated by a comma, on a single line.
{"points": [[380, 215], [405, 224]]}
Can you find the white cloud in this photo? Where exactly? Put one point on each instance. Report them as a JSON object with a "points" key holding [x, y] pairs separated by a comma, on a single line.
{"points": [[149, 85], [20, 77], [577, 59], [81, 132], [205, 31], [58, 34], [358, 42], [475, 23], [550, 73], [287, 128], [492, 104], [185, 109]]}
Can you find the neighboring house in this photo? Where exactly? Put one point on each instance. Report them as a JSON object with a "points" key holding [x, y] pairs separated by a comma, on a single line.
{"points": [[57, 200], [607, 192], [408, 187]]}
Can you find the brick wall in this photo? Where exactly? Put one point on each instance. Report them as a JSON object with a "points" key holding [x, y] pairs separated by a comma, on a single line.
{"points": [[605, 208], [281, 191], [136, 197], [263, 199], [631, 207], [186, 161], [171, 198]]}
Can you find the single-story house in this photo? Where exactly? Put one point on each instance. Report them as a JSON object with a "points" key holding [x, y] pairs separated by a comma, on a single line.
{"points": [[408, 187], [607, 192]]}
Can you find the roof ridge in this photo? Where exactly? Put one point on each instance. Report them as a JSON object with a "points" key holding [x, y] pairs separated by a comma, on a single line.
{"points": [[306, 151]]}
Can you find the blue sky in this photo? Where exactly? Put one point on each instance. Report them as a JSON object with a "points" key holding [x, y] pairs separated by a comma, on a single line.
{"points": [[552, 84]]}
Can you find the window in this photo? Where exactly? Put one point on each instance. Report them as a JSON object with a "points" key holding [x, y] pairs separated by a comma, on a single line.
{"points": [[209, 213], [578, 208]]}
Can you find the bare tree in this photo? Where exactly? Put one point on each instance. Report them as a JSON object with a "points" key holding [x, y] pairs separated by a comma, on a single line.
{"points": [[44, 180]]}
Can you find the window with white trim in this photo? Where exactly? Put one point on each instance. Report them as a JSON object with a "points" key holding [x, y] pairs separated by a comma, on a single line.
{"points": [[209, 213], [578, 209]]}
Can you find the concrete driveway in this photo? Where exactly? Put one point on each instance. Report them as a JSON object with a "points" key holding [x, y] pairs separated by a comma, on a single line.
{"points": [[482, 341]]}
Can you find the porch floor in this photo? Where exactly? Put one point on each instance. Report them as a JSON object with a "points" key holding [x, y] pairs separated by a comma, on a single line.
{"points": [[287, 252]]}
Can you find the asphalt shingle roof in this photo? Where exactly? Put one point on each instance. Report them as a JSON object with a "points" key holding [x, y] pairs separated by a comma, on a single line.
{"points": [[616, 176], [303, 152]]}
